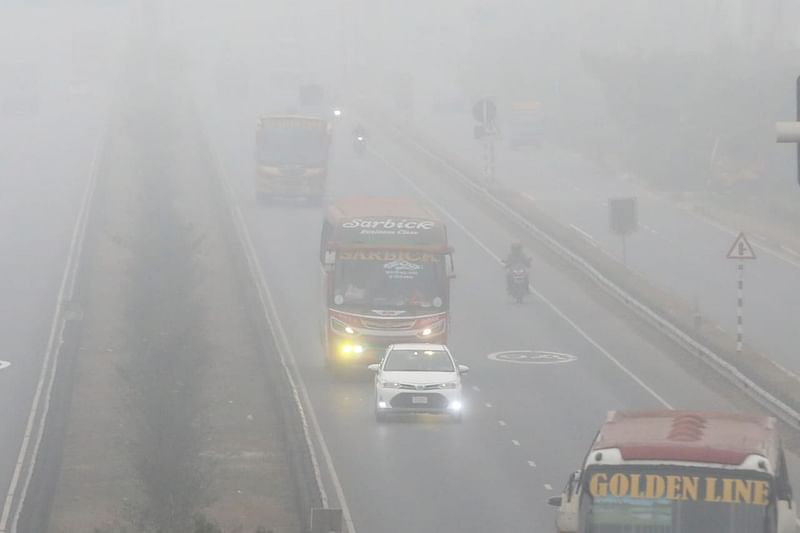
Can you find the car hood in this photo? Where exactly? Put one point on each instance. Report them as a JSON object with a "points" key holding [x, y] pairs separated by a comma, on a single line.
{"points": [[419, 378]]}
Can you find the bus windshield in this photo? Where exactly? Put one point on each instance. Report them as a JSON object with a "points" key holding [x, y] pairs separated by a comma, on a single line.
{"points": [[389, 280], [675, 500], [288, 145]]}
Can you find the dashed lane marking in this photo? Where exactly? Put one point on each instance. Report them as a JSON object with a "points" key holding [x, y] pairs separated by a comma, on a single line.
{"points": [[476, 388], [532, 464], [4, 364], [501, 422], [515, 442], [548, 486], [488, 405]]}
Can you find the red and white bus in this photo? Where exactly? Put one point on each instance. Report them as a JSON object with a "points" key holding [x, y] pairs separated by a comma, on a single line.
{"points": [[680, 472], [386, 267]]}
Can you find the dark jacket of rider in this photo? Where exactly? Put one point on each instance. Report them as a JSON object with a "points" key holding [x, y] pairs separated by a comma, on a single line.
{"points": [[517, 257]]}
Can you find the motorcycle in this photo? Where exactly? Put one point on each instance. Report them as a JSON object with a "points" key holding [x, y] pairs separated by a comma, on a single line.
{"points": [[518, 283], [360, 145]]}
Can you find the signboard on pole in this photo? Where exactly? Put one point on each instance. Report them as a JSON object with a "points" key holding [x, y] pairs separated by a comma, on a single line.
{"points": [[741, 249], [623, 215], [484, 111]]}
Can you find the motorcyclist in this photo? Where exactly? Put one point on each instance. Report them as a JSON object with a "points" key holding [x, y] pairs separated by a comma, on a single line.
{"points": [[359, 133], [359, 139], [515, 258]]}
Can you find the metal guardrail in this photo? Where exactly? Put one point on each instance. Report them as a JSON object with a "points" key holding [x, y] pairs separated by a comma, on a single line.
{"points": [[755, 391]]}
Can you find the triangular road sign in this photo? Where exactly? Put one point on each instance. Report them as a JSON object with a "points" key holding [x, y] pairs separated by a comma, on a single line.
{"points": [[741, 249]]}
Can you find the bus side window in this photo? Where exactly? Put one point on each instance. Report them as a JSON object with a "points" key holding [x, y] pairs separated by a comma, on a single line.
{"points": [[783, 487], [323, 245]]}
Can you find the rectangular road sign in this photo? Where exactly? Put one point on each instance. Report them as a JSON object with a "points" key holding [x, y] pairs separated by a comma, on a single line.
{"points": [[741, 249]]}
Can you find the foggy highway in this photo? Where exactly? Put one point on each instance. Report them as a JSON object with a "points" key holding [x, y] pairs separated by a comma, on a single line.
{"points": [[543, 374], [526, 425], [675, 248]]}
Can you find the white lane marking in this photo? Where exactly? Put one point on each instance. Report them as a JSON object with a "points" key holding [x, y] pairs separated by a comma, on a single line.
{"points": [[532, 357], [548, 486], [4, 364], [539, 295], [50, 363], [793, 252], [532, 464], [502, 423], [515, 442], [476, 388], [288, 360], [529, 196], [488, 405], [585, 235]]}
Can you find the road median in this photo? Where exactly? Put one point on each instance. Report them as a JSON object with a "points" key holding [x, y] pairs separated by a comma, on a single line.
{"points": [[177, 422]]}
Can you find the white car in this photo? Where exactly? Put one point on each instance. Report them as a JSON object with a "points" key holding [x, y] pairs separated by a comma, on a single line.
{"points": [[418, 378]]}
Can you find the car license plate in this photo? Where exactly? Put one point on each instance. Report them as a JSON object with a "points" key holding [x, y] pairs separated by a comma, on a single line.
{"points": [[419, 399]]}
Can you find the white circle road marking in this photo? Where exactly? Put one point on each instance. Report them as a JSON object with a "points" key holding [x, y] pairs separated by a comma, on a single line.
{"points": [[4, 365], [532, 357]]}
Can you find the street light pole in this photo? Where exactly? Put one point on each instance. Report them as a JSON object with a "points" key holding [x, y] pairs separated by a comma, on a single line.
{"points": [[789, 132]]}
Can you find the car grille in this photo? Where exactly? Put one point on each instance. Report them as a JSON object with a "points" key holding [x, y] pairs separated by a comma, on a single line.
{"points": [[406, 386], [404, 400]]}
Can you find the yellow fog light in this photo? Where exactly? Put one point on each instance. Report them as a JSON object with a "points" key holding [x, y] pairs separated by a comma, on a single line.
{"points": [[351, 349]]}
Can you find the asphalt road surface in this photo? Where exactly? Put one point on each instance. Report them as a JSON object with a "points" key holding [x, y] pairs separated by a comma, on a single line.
{"points": [[526, 425]]}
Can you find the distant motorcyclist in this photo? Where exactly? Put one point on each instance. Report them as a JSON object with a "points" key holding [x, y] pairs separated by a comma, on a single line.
{"points": [[359, 139], [515, 259], [359, 133]]}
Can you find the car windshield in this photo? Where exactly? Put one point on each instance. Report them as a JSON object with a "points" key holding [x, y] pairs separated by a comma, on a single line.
{"points": [[669, 500], [291, 146], [418, 361], [390, 283]]}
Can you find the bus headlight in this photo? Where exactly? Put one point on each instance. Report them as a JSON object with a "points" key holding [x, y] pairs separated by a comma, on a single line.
{"points": [[349, 349], [433, 329], [341, 327]]}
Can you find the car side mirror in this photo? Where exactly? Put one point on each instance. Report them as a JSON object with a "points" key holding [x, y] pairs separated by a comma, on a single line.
{"points": [[555, 501], [375, 367], [463, 369]]}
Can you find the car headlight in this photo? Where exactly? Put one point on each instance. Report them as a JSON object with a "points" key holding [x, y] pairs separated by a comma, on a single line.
{"points": [[451, 385], [390, 385]]}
